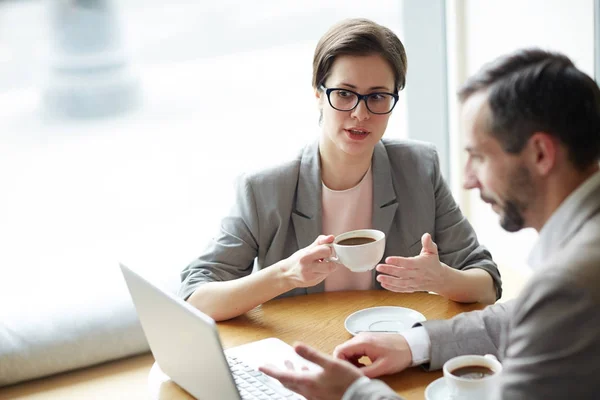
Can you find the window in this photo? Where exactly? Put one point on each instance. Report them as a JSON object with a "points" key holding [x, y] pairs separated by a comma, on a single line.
{"points": [[149, 187]]}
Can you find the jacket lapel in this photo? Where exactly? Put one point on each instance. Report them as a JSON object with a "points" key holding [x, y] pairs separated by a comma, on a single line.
{"points": [[385, 203], [306, 215]]}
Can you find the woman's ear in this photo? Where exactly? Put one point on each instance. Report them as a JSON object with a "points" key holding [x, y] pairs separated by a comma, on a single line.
{"points": [[319, 95]]}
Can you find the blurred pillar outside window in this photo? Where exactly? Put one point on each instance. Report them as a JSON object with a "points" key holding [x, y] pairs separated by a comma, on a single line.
{"points": [[88, 72]]}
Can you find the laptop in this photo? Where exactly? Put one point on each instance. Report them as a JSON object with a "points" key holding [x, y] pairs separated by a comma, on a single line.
{"points": [[186, 345]]}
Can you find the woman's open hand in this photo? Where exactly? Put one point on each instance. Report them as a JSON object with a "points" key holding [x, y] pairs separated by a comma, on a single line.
{"points": [[424, 272]]}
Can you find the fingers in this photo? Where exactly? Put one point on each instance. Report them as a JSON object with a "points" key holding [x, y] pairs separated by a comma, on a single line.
{"points": [[312, 355], [407, 282], [377, 368], [353, 349], [355, 361], [301, 380], [298, 382], [388, 353], [321, 247], [360, 346], [318, 253], [289, 365], [399, 279], [275, 372], [429, 246], [403, 262], [403, 288], [324, 239], [288, 378], [394, 270], [391, 276]]}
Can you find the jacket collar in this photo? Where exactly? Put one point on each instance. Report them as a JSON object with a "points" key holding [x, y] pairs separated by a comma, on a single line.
{"points": [[564, 223]]}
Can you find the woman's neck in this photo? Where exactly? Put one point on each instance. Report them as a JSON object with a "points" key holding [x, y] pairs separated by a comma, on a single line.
{"points": [[341, 171]]}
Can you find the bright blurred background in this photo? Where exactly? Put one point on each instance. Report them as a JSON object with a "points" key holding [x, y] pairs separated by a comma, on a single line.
{"points": [[123, 125], [224, 87], [207, 90]]}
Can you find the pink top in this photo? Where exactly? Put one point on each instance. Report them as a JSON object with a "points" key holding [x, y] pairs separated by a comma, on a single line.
{"points": [[348, 210]]}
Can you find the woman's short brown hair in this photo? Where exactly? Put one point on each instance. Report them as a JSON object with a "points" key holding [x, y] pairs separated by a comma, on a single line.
{"points": [[358, 37]]}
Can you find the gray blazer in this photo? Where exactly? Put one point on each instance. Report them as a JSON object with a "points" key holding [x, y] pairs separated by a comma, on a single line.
{"points": [[548, 339], [278, 211]]}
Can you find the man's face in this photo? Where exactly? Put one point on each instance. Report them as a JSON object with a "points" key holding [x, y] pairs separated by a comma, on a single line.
{"points": [[503, 179]]}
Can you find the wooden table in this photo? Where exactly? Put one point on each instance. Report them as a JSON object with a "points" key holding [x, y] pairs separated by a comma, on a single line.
{"points": [[123, 379], [318, 320]]}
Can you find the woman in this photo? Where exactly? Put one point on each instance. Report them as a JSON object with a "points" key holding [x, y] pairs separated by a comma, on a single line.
{"points": [[285, 217]]}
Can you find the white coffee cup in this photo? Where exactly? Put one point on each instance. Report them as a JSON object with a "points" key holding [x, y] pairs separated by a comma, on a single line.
{"points": [[359, 257], [471, 389]]}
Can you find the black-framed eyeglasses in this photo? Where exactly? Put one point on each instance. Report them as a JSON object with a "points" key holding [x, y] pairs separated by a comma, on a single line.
{"points": [[347, 100]]}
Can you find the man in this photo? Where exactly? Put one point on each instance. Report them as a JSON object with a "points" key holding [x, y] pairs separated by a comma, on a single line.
{"points": [[532, 125]]}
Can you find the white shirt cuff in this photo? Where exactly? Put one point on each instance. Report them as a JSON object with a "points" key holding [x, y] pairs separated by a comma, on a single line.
{"points": [[419, 343], [363, 380]]}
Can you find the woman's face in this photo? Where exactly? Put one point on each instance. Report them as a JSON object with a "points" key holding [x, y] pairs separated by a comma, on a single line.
{"points": [[355, 132]]}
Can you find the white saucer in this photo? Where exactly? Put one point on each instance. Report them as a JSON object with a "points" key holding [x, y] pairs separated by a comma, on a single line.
{"points": [[382, 319], [437, 390]]}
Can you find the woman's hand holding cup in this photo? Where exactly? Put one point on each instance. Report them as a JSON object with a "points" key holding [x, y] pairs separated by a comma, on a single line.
{"points": [[311, 265]]}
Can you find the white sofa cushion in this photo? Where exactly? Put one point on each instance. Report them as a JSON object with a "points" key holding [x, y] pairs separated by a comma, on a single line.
{"points": [[76, 326]]}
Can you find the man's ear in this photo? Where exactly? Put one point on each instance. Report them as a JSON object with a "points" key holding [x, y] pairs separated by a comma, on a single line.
{"points": [[543, 150]]}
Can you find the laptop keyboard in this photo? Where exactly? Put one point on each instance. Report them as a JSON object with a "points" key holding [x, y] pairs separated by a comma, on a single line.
{"points": [[253, 384]]}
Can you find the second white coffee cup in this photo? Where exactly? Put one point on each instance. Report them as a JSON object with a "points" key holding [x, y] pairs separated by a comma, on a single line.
{"points": [[360, 250], [479, 388]]}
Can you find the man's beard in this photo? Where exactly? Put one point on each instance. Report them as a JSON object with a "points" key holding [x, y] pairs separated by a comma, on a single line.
{"points": [[511, 218]]}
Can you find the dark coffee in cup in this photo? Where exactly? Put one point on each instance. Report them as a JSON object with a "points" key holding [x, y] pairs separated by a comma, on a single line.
{"points": [[355, 241], [472, 377], [472, 372]]}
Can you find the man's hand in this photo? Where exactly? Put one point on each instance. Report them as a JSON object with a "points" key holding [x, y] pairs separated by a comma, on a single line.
{"points": [[389, 353], [424, 272], [327, 384]]}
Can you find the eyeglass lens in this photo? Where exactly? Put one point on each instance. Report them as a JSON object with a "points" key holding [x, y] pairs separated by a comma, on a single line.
{"points": [[345, 100]]}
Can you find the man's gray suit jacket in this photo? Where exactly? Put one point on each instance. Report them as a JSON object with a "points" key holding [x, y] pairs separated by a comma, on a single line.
{"points": [[548, 339], [278, 211]]}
